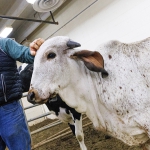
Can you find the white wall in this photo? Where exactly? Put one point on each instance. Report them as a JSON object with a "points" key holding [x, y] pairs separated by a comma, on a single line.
{"points": [[123, 20]]}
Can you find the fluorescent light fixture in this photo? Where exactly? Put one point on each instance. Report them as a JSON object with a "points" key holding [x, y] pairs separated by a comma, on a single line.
{"points": [[6, 31], [31, 1]]}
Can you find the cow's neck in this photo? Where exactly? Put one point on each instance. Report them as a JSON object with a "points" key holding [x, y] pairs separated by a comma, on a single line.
{"points": [[84, 95]]}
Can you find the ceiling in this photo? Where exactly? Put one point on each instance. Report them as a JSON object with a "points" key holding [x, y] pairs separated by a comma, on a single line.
{"points": [[20, 8]]}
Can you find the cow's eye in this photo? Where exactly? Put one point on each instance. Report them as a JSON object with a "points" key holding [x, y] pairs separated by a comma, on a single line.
{"points": [[51, 55]]}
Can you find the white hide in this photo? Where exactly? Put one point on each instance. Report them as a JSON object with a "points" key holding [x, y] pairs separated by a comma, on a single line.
{"points": [[118, 104]]}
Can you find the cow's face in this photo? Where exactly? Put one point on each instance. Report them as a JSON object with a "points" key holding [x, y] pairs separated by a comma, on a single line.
{"points": [[56, 67], [51, 70]]}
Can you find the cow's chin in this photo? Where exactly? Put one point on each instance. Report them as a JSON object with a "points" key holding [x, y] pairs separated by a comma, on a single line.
{"points": [[52, 95], [41, 101]]}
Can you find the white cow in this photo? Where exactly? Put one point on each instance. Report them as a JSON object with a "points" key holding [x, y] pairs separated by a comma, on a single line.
{"points": [[118, 103]]}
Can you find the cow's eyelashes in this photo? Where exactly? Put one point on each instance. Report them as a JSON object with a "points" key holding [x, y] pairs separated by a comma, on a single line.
{"points": [[51, 55]]}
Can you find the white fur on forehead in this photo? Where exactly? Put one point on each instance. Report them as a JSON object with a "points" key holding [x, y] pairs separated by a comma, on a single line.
{"points": [[57, 41]]}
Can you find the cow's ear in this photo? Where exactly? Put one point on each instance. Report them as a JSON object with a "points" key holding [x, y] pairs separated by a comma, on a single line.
{"points": [[93, 60]]}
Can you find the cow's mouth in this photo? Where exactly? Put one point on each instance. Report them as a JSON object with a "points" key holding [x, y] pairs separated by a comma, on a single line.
{"points": [[41, 101], [52, 95], [34, 98]]}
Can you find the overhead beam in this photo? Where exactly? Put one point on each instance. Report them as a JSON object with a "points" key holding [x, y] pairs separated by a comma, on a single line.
{"points": [[16, 9], [32, 20]]}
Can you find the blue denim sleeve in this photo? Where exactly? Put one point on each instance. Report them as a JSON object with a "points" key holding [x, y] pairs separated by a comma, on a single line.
{"points": [[16, 51]]}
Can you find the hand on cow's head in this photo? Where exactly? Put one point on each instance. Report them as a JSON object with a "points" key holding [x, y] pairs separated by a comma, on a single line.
{"points": [[35, 45], [93, 60], [52, 57]]}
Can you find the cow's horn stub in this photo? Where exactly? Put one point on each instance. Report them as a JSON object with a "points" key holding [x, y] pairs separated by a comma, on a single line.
{"points": [[72, 44]]}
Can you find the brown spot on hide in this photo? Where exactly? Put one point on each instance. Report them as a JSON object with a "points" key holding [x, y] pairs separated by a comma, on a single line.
{"points": [[109, 56], [65, 51], [147, 85], [104, 91], [59, 86], [120, 87], [121, 120], [143, 75], [131, 70], [132, 90]]}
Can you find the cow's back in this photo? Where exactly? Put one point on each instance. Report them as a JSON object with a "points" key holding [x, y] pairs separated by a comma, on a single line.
{"points": [[125, 92], [128, 82]]}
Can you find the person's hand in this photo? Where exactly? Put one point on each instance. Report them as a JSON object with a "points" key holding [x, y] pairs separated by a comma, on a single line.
{"points": [[35, 45]]}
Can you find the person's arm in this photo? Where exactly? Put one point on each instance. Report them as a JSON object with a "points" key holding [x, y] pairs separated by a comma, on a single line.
{"points": [[19, 52]]}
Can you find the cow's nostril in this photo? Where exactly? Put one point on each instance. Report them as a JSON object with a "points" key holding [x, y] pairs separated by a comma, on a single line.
{"points": [[31, 97]]}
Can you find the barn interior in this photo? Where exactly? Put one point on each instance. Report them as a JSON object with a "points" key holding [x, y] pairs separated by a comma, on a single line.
{"points": [[89, 22]]}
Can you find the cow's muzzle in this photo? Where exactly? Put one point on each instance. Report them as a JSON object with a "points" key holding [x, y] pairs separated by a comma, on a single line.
{"points": [[31, 97], [34, 98]]}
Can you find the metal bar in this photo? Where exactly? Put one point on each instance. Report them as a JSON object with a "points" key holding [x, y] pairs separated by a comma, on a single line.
{"points": [[31, 106], [54, 138], [33, 20], [52, 16], [43, 115], [25, 94], [46, 127]]}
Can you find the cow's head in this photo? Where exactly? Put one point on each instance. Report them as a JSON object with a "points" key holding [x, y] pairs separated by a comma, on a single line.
{"points": [[25, 73], [57, 63]]}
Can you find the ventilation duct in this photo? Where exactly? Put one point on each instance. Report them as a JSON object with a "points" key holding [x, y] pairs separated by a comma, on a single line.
{"points": [[47, 5]]}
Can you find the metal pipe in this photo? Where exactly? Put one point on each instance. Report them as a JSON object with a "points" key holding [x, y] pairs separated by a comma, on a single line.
{"points": [[46, 127], [54, 138], [43, 115], [52, 16], [33, 20], [31, 106], [25, 94]]}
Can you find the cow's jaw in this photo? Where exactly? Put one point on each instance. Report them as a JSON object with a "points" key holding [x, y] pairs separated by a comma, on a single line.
{"points": [[36, 95]]}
